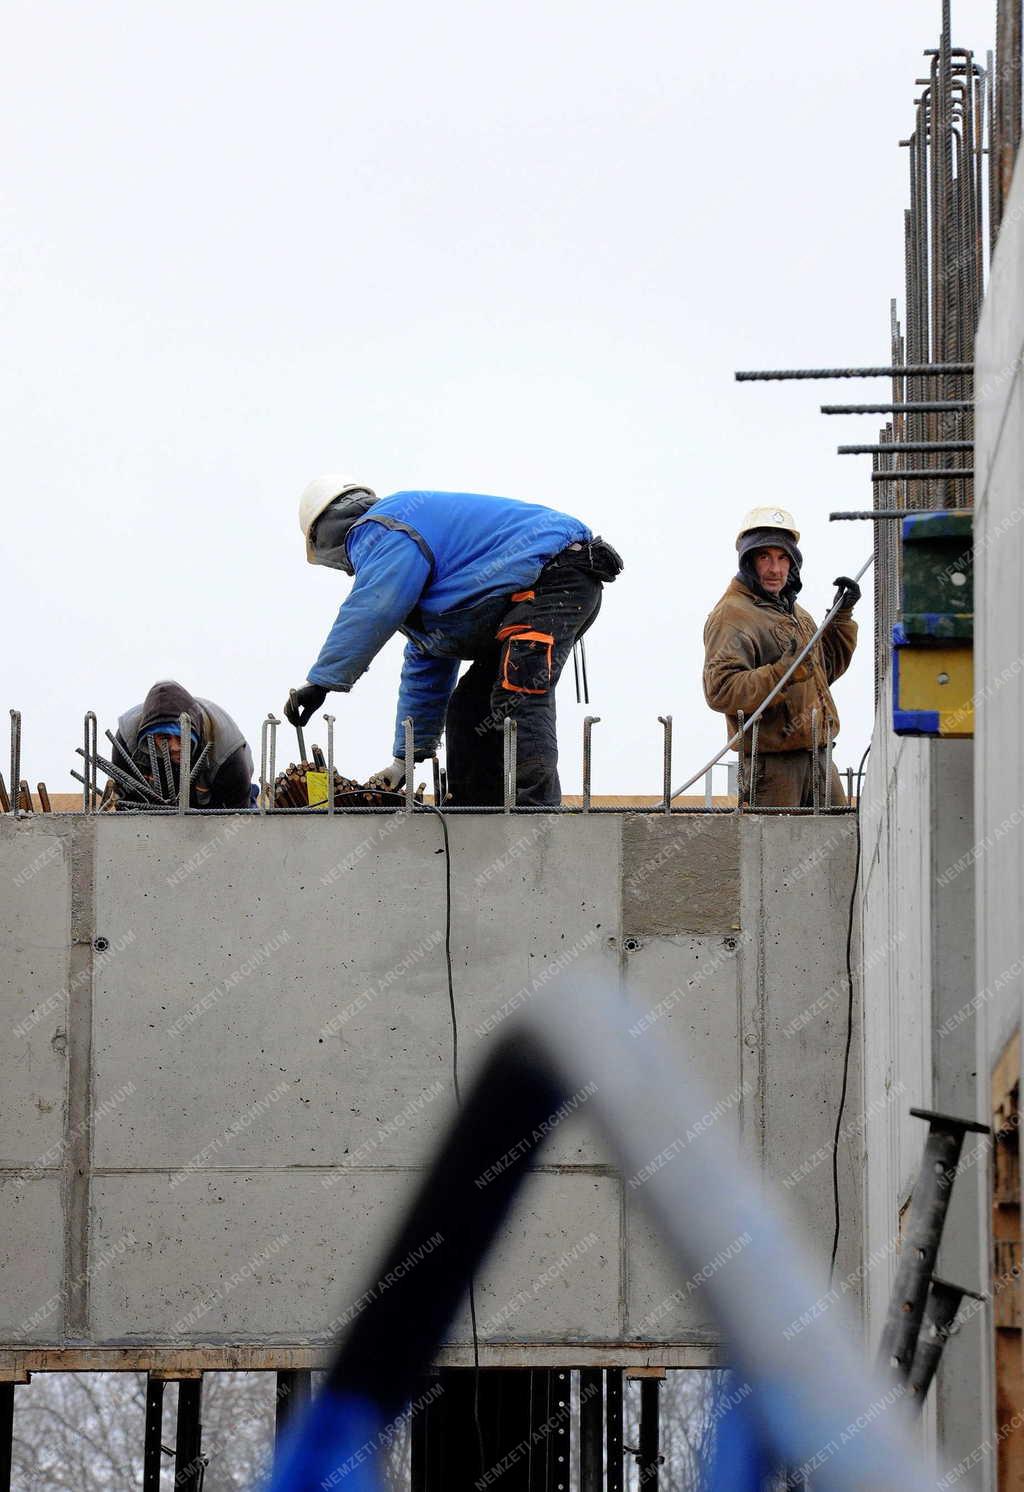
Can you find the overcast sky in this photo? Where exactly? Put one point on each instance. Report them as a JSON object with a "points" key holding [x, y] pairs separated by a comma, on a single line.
{"points": [[513, 249]]}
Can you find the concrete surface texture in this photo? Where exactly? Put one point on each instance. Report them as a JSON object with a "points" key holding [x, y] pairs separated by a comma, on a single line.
{"points": [[229, 1054]]}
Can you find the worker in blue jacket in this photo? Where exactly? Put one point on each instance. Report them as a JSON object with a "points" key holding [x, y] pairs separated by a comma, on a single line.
{"points": [[507, 586]]}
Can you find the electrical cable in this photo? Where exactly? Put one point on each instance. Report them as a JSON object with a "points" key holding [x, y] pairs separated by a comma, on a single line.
{"points": [[849, 1029], [433, 808]]}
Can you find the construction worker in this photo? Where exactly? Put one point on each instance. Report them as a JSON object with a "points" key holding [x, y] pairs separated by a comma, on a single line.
{"points": [[223, 776], [751, 638], [507, 586]]}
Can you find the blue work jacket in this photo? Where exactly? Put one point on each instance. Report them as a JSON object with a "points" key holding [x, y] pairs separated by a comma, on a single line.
{"points": [[440, 567]]}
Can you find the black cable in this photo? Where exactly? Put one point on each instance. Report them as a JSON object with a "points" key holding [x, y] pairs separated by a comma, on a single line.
{"points": [[419, 807], [849, 1030]]}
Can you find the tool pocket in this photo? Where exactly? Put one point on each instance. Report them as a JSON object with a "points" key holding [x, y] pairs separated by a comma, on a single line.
{"points": [[526, 662]]}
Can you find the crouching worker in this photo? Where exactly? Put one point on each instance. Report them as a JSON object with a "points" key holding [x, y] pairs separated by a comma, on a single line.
{"points": [[750, 639], [506, 586], [148, 742]]}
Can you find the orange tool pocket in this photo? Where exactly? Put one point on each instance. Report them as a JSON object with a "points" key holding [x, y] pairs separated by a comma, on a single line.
{"points": [[526, 660]]}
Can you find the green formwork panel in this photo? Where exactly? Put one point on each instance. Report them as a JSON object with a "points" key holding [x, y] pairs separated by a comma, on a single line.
{"points": [[938, 575]]}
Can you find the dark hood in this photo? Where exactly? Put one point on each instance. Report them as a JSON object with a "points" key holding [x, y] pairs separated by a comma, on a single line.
{"points": [[774, 538], [166, 701]]}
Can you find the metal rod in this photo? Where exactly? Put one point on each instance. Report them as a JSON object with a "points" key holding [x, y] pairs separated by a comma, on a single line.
{"points": [[932, 406], [25, 796], [198, 763], [649, 1458], [814, 761], [266, 787], [152, 1444], [828, 769], [666, 771], [937, 1327], [752, 794], [885, 513], [903, 447], [330, 719], [292, 695], [740, 781], [436, 768], [188, 1443], [923, 1234], [801, 655], [589, 721], [15, 761], [44, 798], [273, 723], [591, 1430], [509, 764], [576, 672], [613, 1430], [154, 766], [910, 370], [125, 757], [90, 794], [168, 766], [121, 778], [931, 474], [5, 802], [185, 762], [410, 763], [708, 789]]}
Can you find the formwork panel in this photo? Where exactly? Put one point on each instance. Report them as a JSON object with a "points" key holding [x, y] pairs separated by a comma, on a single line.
{"points": [[35, 933], [291, 1006], [31, 1259]]}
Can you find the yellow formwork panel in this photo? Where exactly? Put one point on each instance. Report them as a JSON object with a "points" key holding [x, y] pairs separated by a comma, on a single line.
{"points": [[939, 681]]}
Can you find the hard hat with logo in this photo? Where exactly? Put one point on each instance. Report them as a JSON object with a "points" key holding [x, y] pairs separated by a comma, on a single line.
{"points": [[318, 496], [769, 518]]}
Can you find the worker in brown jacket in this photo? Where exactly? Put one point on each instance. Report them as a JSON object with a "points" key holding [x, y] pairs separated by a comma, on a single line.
{"points": [[750, 639]]}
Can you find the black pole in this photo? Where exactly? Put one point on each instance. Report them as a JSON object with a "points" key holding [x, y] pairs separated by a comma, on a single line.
{"points": [[188, 1442], [613, 1429], [591, 1431], [650, 1433], [921, 1242], [151, 1451], [6, 1435]]}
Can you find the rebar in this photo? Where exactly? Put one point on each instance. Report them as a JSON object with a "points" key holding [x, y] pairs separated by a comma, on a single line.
{"points": [[330, 719], [589, 722], [5, 802], [752, 795], [15, 762], [167, 793], [953, 474], [410, 763], [815, 762], [912, 370], [899, 448], [126, 758], [123, 779], [91, 742], [666, 768], [184, 762], [194, 773], [933, 406], [938, 1325], [509, 765]]}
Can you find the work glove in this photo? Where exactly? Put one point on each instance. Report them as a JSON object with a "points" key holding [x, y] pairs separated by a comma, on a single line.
{"points": [[307, 700], [850, 590], [390, 777]]}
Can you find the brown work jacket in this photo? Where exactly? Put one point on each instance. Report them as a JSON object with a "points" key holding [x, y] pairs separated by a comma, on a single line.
{"points": [[745, 643]]}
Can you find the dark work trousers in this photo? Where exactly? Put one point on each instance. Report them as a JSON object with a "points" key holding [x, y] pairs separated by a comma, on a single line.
{"points": [[785, 779], [515, 678]]}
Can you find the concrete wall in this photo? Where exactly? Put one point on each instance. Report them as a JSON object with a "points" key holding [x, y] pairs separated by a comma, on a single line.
{"points": [[228, 1045], [999, 662], [917, 961]]}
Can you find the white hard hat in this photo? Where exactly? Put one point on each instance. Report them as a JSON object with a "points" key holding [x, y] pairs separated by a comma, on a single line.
{"points": [[319, 495], [769, 518]]}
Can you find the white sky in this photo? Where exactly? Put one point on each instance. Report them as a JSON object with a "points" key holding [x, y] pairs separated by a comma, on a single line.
{"points": [[503, 249]]}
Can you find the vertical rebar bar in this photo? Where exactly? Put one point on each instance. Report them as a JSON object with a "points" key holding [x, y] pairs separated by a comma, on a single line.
{"points": [[436, 768], [410, 763], [330, 762], [741, 783], [815, 797], [91, 743], [752, 795], [589, 721], [185, 762], [828, 768], [709, 801], [16, 762], [666, 768]]}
